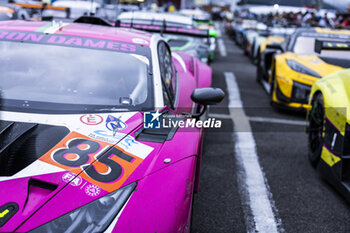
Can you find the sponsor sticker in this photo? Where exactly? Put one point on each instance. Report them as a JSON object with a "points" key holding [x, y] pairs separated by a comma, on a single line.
{"points": [[100, 163], [72, 178], [91, 119], [92, 190], [115, 124], [72, 41], [139, 41]]}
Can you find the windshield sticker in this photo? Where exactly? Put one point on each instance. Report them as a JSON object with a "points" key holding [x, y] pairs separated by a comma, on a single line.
{"points": [[339, 45], [139, 41], [104, 165], [322, 35], [71, 41]]}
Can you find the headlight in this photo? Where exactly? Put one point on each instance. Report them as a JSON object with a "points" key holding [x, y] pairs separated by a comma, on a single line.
{"points": [[296, 66], [300, 92], [93, 217]]}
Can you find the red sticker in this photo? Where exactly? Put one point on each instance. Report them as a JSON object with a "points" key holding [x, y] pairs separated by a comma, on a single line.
{"points": [[91, 119]]}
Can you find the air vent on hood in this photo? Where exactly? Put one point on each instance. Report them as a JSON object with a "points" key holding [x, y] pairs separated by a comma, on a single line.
{"points": [[155, 135], [23, 143], [37, 191]]}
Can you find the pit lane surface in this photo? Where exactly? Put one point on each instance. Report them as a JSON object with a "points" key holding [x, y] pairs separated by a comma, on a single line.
{"points": [[300, 200]]}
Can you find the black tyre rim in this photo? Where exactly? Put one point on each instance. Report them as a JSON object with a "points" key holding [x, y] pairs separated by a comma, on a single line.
{"points": [[316, 129]]}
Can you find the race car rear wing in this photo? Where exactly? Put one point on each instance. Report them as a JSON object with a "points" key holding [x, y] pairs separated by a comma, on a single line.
{"points": [[43, 7], [331, 45], [166, 29]]}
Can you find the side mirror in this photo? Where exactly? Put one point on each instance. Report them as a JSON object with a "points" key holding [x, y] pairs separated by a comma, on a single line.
{"points": [[117, 23], [207, 96], [275, 46]]}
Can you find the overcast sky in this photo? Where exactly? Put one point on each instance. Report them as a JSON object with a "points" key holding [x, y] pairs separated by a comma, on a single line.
{"points": [[341, 3]]}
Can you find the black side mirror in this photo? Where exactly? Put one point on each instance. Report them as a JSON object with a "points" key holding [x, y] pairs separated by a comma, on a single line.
{"points": [[275, 46], [117, 23], [206, 96]]}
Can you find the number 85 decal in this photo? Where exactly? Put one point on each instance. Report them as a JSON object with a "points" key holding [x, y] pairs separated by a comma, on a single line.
{"points": [[77, 152]]}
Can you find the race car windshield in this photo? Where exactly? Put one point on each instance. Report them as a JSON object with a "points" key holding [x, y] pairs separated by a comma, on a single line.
{"points": [[38, 77], [306, 45], [181, 40]]}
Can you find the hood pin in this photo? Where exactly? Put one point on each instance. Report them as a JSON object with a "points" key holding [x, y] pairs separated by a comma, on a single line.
{"points": [[167, 160]]}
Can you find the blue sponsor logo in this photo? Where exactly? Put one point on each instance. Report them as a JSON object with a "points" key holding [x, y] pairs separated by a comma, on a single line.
{"points": [[127, 142], [114, 124], [152, 120]]}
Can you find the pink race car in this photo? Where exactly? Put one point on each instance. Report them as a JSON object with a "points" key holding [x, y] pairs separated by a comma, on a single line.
{"points": [[83, 147]]}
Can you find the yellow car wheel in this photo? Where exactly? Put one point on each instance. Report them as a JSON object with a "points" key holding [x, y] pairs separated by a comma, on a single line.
{"points": [[316, 129]]}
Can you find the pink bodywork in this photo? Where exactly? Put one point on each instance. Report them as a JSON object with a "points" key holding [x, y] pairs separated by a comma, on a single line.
{"points": [[163, 197]]}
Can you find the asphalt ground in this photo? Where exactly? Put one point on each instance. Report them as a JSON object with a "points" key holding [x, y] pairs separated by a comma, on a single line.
{"points": [[301, 200]]}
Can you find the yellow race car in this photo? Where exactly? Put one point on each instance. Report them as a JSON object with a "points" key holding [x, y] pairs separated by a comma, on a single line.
{"points": [[297, 64], [329, 129], [270, 40], [264, 56]]}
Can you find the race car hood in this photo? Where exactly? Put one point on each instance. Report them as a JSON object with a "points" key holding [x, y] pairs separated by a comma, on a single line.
{"points": [[314, 63], [54, 164]]}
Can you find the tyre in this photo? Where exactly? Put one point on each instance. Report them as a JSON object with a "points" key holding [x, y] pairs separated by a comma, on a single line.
{"points": [[272, 84], [259, 75], [273, 104], [316, 130]]}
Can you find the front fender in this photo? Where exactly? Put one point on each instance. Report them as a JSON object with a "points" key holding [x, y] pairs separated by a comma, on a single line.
{"points": [[203, 74], [267, 58], [335, 97], [162, 202]]}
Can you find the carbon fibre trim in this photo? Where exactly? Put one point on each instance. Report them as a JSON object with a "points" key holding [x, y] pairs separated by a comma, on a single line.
{"points": [[155, 135], [23, 143]]}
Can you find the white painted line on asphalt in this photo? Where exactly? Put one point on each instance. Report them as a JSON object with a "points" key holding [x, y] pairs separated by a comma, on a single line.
{"points": [[262, 119], [222, 47], [277, 121], [217, 28], [266, 86], [245, 149]]}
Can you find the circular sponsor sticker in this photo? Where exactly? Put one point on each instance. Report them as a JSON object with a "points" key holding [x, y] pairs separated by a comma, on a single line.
{"points": [[72, 178], [91, 119], [115, 124], [139, 41], [92, 190]]}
